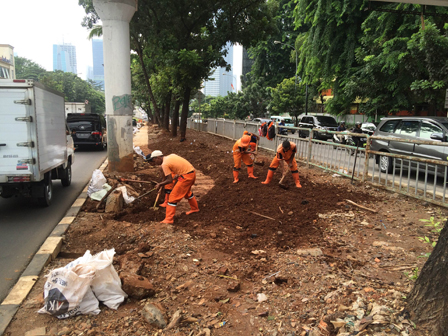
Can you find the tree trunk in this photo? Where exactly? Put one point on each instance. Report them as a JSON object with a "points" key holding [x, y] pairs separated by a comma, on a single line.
{"points": [[184, 115], [175, 119], [428, 300], [145, 73], [166, 116]]}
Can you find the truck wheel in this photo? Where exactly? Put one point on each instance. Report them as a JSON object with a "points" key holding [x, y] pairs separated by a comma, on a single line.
{"points": [[45, 200], [67, 179]]}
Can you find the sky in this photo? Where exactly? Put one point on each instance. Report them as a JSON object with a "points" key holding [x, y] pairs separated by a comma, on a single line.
{"points": [[33, 26]]}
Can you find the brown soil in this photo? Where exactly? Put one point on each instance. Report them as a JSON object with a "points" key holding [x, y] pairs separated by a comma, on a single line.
{"points": [[230, 236]]}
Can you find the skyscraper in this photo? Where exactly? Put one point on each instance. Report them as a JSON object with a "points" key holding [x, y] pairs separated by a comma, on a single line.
{"points": [[64, 58], [247, 63], [98, 67], [222, 82]]}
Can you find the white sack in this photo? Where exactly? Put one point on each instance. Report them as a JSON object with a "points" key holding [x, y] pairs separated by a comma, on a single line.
{"points": [[96, 182], [107, 284], [65, 289]]}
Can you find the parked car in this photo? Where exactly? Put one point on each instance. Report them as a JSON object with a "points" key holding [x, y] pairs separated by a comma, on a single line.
{"points": [[261, 120], [88, 129], [288, 121], [412, 128], [323, 122]]}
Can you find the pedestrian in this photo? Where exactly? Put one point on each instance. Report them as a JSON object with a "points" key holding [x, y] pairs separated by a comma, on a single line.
{"points": [[286, 151], [241, 152], [176, 168], [357, 129]]}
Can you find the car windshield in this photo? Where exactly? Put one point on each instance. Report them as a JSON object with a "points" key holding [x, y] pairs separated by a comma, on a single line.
{"points": [[288, 121], [327, 121]]}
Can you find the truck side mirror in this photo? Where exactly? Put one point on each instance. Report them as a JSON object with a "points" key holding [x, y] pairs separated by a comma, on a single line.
{"points": [[437, 136]]}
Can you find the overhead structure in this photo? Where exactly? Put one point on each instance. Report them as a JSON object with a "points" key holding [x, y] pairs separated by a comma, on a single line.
{"points": [[443, 3], [115, 16]]}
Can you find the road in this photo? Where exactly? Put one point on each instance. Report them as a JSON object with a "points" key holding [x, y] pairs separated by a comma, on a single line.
{"points": [[24, 225]]}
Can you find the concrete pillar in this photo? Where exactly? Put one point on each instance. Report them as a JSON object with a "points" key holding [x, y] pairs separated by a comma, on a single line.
{"points": [[115, 16]]}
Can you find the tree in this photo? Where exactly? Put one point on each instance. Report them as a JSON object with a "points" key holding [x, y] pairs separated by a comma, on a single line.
{"points": [[27, 69], [427, 301], [288, 97], [75, 89]]}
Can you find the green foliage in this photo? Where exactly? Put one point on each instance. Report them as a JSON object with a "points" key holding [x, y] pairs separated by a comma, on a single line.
{"points": [[75, 89], [288, 97], [27, 69], [414, 274], [437, 228]]}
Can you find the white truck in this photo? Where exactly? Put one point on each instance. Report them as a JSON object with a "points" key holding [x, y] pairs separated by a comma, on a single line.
{"points": [[35, 143]]}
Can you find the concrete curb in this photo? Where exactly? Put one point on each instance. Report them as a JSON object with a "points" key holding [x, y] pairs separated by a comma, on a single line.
{"points": [[46, 254]]}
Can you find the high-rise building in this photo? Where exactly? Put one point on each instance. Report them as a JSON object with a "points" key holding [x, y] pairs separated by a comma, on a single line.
{"points": [[7, 69], [222, 82], [98, 63], [247, 63], [64, 58]]}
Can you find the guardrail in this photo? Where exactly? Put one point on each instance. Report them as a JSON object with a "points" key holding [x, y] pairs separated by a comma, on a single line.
{"points": [[413, 176]]}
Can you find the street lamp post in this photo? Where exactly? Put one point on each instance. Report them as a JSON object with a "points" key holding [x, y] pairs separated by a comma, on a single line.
{"points": [[295, 84]]}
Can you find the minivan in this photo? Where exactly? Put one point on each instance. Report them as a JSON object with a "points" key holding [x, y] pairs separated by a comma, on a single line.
{"points": [[288, 121], [88, 129], [323, 122], [412, 128]]}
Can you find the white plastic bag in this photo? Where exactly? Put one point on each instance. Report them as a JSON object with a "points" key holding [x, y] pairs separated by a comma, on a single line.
{"points": [[98, 195], [138, 150], [107, 284], [96, 182], [65, 289], [128, 199]]}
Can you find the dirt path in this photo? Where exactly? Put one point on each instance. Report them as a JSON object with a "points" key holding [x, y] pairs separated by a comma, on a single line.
{"points": [[318, 259]]}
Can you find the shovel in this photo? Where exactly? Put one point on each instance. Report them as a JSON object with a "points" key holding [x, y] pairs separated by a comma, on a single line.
{"points": [[126, 180], [146, 193], [155, 203]]}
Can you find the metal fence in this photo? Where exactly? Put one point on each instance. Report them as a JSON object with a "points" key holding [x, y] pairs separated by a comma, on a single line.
{"points": [[413, 176]]}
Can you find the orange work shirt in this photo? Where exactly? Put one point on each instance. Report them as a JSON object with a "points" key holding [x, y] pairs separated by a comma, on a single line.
{"points": [[281, 154], [239, 147], [175, 164]]}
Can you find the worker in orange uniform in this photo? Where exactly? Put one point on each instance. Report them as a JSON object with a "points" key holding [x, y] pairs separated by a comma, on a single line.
{"points": [[168, 188], [253, 140], [185, 175], [241, 152], [286, 151]]}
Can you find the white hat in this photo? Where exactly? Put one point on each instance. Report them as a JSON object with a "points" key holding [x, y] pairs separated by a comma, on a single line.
{"points": [[155, 154]]}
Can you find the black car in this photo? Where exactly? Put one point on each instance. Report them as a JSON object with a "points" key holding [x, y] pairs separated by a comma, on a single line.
{"points": [[88, 130], [323, 122]]}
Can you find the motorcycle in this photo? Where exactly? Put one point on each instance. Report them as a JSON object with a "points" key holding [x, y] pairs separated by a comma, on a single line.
{"points": [[282, 131]]}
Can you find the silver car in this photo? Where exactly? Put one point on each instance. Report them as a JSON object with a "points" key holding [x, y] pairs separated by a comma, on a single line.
{"points": [[412, 128]]}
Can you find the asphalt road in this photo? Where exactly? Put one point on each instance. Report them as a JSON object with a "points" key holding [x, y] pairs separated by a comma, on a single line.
{"points": [[24, 225]]}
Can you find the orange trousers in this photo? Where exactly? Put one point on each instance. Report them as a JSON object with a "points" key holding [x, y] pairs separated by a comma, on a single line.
{"points": [[182, 189], [276, 162], [238, 157]]}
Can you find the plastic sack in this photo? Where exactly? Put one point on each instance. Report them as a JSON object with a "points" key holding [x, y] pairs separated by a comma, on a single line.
{"points": [[96, 182], [128, 199], [107, 284], [98, 195], [65, 289]]}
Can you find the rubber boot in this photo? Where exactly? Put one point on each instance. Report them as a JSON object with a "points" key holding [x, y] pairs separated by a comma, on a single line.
{"points": [[269, 177], [250, 171], [169, 216], [295, 176], [164, 204], [193, 205], [235, 176]]}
